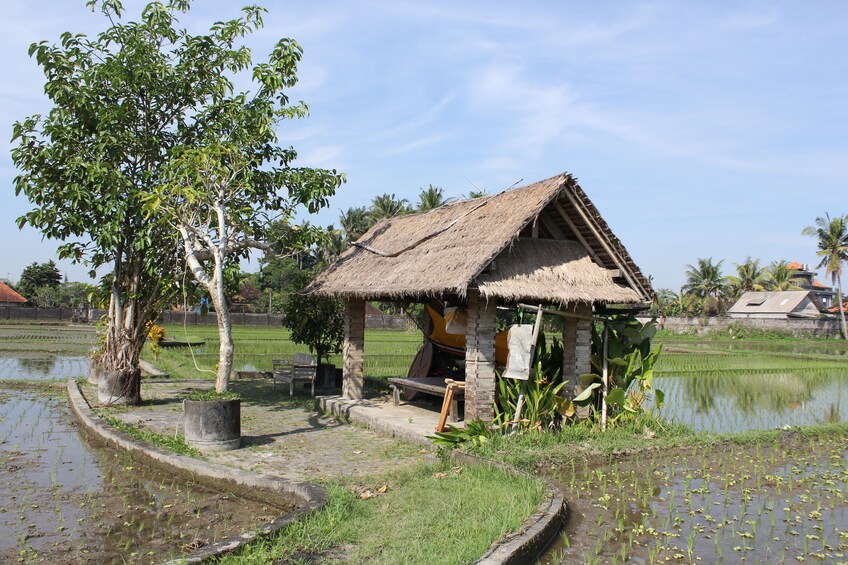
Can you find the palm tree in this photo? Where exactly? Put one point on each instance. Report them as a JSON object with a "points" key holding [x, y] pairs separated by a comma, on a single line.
{"points": [[705, 283], [781, 277], [354, 222], [387, 206], [832, 234], [429, 198], [749, 276]]}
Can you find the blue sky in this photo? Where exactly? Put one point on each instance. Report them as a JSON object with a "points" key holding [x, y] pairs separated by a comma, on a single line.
{"points": [[699, 129]]}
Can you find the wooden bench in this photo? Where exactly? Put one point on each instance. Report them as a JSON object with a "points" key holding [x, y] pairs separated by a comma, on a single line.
{"points": [[301, 368], [451, 392]]}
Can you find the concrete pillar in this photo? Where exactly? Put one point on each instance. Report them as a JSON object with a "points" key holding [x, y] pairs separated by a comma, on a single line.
{"points": [[480, 378], [354, 348]]}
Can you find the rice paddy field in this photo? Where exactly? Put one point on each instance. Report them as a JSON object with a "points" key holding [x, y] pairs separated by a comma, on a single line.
{"points": [[388, 353], [765, 479], [64, 498]]}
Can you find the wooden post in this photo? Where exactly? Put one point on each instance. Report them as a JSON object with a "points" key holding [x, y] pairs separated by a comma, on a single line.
{"points": [[354, 348]]}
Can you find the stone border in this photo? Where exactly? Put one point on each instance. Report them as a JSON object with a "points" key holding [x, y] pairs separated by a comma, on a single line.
{"points": [[240, 482]]}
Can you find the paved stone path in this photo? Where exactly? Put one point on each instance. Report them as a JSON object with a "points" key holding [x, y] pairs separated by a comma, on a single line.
{"points": [[281, 435]]}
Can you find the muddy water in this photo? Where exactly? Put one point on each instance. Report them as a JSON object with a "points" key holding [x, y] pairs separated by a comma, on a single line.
{"points": [[780, 503], [66, 499]]}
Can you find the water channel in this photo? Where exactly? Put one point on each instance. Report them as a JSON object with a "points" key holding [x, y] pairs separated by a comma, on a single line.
{"points": [[65, 498]]}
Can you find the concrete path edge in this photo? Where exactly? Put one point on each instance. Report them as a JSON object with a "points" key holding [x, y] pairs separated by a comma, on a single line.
{"points": [[313, 497]]}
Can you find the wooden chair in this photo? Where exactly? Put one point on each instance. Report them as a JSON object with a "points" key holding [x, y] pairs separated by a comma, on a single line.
{"points": [[302, 368]]}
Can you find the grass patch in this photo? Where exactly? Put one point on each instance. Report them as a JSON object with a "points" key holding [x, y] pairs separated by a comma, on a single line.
{"points": [[431, 513], [387, 352], [176, 444]]}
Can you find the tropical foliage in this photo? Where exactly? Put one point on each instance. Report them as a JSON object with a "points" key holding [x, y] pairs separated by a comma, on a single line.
{"points": [[832, 242], [705, 283], [630, 368]]}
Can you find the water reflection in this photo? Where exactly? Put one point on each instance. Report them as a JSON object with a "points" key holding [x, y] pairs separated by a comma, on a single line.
{"points": [[736, 403], [43, 367]]}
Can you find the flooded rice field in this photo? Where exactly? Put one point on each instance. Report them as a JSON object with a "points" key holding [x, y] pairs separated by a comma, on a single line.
{"points": [[783, 502], [730, 387], [780, 503], [65, 498]]}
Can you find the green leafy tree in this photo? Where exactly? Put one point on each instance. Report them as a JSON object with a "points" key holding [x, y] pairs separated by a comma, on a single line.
{"points": [[224, 189], [429, 198], [121, 102], [780, 276], [832, 241], [37, 276], [749, 276], [387, 206], [315, 322], [706, 284]]}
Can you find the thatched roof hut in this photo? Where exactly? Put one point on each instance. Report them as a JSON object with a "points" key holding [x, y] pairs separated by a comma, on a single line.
{"points": [[541, 243]]}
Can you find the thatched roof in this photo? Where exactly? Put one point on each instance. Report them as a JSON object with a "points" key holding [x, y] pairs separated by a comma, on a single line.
{"points": [[551, 271], [501, 244]]}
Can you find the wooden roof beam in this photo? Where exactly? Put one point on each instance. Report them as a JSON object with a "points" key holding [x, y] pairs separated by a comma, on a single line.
{"points": [[626, 272]]}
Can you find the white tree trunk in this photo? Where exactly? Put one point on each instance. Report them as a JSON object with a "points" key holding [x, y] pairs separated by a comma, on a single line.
{"points": [[225, 334], [839, 305]]}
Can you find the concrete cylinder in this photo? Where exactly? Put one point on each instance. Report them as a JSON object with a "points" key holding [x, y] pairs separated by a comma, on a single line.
{"points": [[213, 425]]}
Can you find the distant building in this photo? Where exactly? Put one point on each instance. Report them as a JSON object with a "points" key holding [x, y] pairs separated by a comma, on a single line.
{"points": [[777, 304], [806, 279], [9, 297]]}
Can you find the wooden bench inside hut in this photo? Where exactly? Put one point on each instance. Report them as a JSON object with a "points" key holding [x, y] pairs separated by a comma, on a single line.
{"points": [[544, 243]]}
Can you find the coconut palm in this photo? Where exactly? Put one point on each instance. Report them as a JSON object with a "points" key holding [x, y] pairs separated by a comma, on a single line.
{"points": [[705, 283], [749, 276], [781, 277], [355, 222], [387, 206], [832, 234], [429, 198]]}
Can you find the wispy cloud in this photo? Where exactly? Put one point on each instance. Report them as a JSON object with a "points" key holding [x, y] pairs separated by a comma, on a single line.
{"points": [[414, 144]]}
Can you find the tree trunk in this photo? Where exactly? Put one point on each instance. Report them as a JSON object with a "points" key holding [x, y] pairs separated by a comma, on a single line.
{"points": [[839, 305], [225, 334]]}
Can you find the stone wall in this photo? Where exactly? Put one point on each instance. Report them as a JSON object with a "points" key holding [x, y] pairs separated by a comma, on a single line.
{"points": [[791, 326]]}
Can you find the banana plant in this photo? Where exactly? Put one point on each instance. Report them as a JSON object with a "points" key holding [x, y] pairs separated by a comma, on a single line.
{"points": [[630, 368]]}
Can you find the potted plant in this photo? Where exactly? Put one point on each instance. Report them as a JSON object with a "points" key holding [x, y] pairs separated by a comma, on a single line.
{"points": [[317, 323], [212, 420]]}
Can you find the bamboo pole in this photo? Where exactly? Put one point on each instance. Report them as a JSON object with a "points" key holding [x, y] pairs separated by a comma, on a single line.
{"points": [[604, 377]]}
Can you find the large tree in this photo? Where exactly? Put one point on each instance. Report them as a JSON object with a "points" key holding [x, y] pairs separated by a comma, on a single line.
{"points": [[749, 276], [705, 283], [429, 198], [230, 186], [122, 102], [832, 242], [780, 276], [37, 276], [385, 206]]}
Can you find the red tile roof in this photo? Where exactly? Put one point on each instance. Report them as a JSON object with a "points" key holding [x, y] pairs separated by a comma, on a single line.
{"points": [[8, 295], [817, 284], [795, 265]]}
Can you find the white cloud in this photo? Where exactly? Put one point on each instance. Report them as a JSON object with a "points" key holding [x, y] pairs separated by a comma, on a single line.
{"points": [[417, 144]]}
